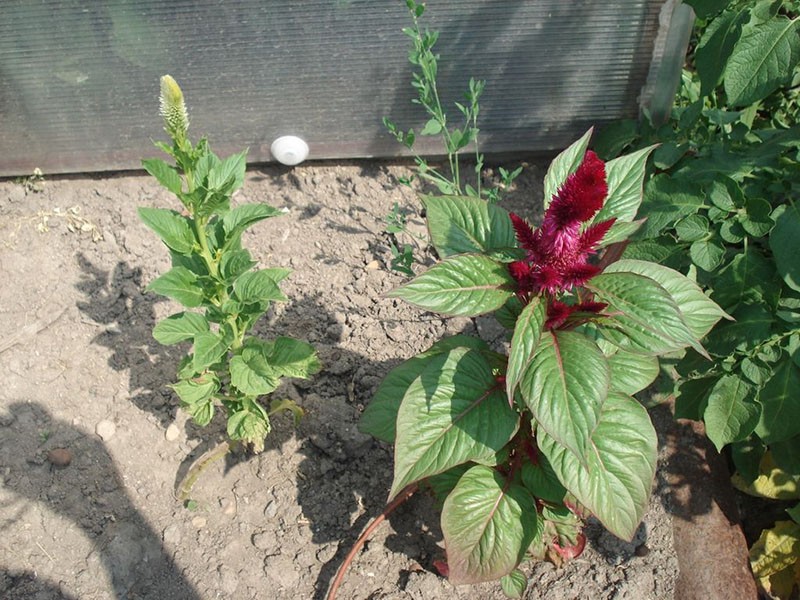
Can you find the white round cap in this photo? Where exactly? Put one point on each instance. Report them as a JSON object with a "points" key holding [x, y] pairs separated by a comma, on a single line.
{"points": [[289, 150]]}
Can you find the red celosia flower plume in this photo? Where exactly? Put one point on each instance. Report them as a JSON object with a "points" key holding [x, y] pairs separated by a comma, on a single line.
{"points": [[558, 252]]}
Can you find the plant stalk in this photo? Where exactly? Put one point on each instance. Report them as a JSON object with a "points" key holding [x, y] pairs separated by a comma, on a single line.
{"points": [[404, 495]]}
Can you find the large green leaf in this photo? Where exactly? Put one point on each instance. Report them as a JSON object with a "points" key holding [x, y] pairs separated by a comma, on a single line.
{"points": [[173, 228], [716, 45], [465, 285], [250, 424], [631, 373], [461, 224], [228, 175], [565, 387], [488, 524], [380, 416], [180, 284], [454, 412], [289, 357], [258, 287], [209, 347], [252, 374], [780, 401], [646, 318], [762, 60], [542, 482], [731, 414], [751, 326], [244, 215], [747, 279], [698, 310], [784, 241], [197, 397], [625, 177], [613, 480], [179, 327], [527, 333], [563, 166], [166, 175], [667, 200]]}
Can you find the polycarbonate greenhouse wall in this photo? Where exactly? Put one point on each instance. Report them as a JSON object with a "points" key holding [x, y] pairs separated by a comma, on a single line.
{"points": [[80, 79]]}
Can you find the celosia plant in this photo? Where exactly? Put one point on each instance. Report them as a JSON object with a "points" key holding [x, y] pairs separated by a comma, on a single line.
{"points": [[522, 447], [214, 275]]}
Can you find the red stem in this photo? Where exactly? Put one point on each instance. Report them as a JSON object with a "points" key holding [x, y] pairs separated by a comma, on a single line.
{"points": [[404, 495]]}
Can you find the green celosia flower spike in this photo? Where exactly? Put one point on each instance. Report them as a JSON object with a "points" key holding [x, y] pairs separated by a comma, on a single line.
{"points": [[173, 110]]}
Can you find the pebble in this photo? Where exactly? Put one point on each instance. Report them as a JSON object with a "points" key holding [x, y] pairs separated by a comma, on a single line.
{"points": [[172, 433], [172, 534], [59, 457], [105, 429], [198, 522], [271, 509]]}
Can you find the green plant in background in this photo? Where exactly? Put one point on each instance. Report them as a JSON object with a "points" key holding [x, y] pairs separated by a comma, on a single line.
{"points": [[724, 206], [521, 448], [456, 139], [214, 277]]}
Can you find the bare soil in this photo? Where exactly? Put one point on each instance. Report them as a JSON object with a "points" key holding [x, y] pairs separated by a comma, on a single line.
{"points": [[78, 360]]}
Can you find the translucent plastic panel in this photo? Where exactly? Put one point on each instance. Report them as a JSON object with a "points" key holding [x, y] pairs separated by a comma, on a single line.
{"points": [[80, 78]]}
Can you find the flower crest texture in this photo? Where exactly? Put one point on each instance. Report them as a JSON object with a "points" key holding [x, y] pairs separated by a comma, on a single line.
{"points": [[558, 252]]}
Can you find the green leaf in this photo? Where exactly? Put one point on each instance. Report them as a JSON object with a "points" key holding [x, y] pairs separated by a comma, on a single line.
{"points": [[780, 415], [625, 177], [165, 174], [762, 60], [542, 482], [645, 314], [209, 348], [234, 263], [180, 284], [514, 584], [179, 327], [668, 199], [784, 242], [258, 287], [707, 8], [466, 285], [731, 414], [752, 325], [488, 524], [174, 229], [380, 415], [745, 280], [197, 397], [252, 374], [707, 254], [289, 357], [527, 333], [460, 224], [716, 45], [249, 424], [228, 176], [432, 127], [454, 412], [563, 166], [565, 387], [613, 480], [757, 222], [244, 215], [631, 373], [693, 228], [691, 397]]}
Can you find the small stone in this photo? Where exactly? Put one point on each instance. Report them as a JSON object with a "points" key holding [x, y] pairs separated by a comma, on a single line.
{"points": [[198, 522], [59, 457], [373, 265], [172, 433], [326, 553], [228, 506], [6, 418], [642, 550], [172, 534], [271, 509], [105, 429]]}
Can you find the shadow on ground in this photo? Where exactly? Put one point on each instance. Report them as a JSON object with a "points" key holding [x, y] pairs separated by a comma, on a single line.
{"points": [[90, 494]]}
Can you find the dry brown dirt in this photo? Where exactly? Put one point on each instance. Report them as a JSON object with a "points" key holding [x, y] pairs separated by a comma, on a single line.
{"points": [[78, 358]]}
